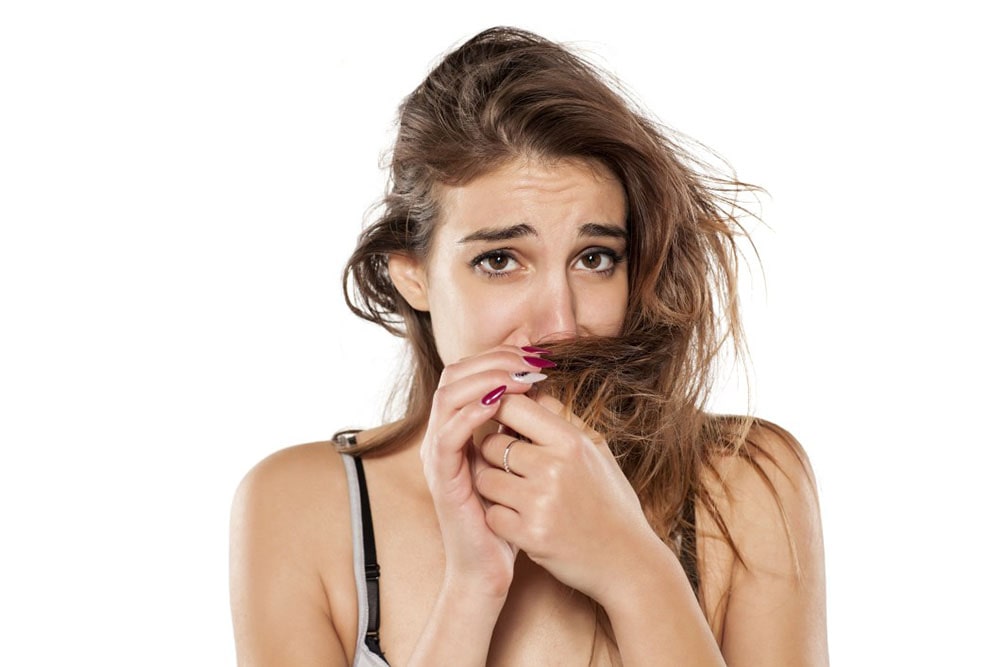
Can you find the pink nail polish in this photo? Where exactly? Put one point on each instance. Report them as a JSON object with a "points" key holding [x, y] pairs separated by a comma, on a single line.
{"points": [[535, 350], [538, 362], [493, 396]]}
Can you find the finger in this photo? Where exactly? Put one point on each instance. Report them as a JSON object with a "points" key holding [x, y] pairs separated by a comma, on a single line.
{"points": [[504, 522], [543, 427], [519, 456], [499, 488], [457, 410], [553, 404], [557, 407], [477, 388], [537, 424], [507, 431], [514, 360], [443, 450]]}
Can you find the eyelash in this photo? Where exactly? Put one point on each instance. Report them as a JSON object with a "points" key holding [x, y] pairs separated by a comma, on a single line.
{"points": [[477, 261]]}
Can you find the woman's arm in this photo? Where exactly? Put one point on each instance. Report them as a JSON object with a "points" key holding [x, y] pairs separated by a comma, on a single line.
{"points": [[291, 558], [281, 613], [776, 611], [775, 608]]}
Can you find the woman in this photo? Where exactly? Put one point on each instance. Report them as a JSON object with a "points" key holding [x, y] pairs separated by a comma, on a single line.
{"points": [[555, 492]]}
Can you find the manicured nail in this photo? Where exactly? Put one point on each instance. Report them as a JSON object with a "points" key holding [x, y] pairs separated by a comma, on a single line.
{"points": [[527, 377], [538, 362], [494, 396], [535, 350]]}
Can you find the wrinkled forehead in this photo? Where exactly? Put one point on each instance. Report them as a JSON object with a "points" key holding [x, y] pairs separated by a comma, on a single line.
{"points": [[530, 189]]}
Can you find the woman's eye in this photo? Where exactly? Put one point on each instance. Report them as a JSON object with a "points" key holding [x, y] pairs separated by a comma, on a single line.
{"points": [[495, 263], [595, 260]]}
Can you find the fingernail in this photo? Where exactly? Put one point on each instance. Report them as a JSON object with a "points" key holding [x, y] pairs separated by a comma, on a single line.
{"points": [[538, 362], [535, 350], [494, 396], [527, 377]]}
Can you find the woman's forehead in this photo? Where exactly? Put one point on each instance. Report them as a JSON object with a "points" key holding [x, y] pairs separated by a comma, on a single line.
{"points": [[533, 190]]}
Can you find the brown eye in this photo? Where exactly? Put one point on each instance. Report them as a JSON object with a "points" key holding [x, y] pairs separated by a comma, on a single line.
{"points": [[596, 260], [497, 262]]}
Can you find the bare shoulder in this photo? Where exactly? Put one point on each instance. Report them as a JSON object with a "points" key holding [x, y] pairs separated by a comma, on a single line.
{"points": [[292, 495], [771, 591], [294, 473], [290, 559], [768, 478]]}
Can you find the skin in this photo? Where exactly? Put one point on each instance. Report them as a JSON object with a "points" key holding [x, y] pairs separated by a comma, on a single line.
{"points": [[480, 566], [539, 286]]}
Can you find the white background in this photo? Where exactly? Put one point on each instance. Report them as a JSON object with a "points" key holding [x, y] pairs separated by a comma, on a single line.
{"points": [[180, 184]]}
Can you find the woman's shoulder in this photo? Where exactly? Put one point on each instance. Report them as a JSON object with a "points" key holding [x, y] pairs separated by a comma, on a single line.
{"points": [[302, 491], [758, 474], [294, 505], [296, 459], [765, 519], [294, 475], [298, 501], [758, 487], [291, 557], [757, 456]]}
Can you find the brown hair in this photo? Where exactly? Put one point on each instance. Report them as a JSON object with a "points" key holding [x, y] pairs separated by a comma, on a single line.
{"points": [[508, 94]]}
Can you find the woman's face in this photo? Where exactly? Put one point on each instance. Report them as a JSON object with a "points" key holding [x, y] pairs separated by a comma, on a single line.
{"points": [[532, 252]]}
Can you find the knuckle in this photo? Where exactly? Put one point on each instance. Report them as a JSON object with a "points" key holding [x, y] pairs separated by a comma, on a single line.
{"points": [[572, 447], [553, 473]]}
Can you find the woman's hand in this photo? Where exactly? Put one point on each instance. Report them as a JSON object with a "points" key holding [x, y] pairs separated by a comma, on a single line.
{"points": [[477, 561], [565, 501]]}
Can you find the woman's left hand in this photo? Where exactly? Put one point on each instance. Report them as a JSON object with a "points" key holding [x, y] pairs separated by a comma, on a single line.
{"points": [[565, 502]]}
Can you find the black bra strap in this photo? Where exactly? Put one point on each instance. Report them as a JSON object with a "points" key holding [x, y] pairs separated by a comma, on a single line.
{"points": [[371, 564]]}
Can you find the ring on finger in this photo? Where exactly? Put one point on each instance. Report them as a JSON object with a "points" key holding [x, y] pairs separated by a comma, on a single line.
{"points": [[506, 455]]}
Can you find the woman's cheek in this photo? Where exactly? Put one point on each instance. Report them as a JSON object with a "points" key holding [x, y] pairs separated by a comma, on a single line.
{"points": [[490, 322], [464, 327]]}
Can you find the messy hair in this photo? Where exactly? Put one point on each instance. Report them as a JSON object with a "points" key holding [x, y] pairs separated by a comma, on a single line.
{"points": [[508, 95]]}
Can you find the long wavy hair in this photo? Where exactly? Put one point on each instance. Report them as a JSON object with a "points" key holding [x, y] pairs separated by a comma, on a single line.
{"points": [[507, 94]]}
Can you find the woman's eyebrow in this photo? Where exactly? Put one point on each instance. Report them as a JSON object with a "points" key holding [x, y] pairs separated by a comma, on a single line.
{"points": [[595, 229], [500, 233], [493, 234]]}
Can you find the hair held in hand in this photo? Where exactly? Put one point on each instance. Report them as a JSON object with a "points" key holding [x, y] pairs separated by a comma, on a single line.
{"points": [[508, 95]]}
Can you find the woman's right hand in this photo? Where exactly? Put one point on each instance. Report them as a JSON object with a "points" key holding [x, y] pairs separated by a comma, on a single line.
{"points": [[468, 396]]}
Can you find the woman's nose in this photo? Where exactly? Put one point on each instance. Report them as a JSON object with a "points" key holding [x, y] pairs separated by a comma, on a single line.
{"points": [[554, 311]]}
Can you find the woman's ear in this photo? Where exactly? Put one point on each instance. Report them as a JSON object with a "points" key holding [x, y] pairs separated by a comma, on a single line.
{"points": [[408, 275]]}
